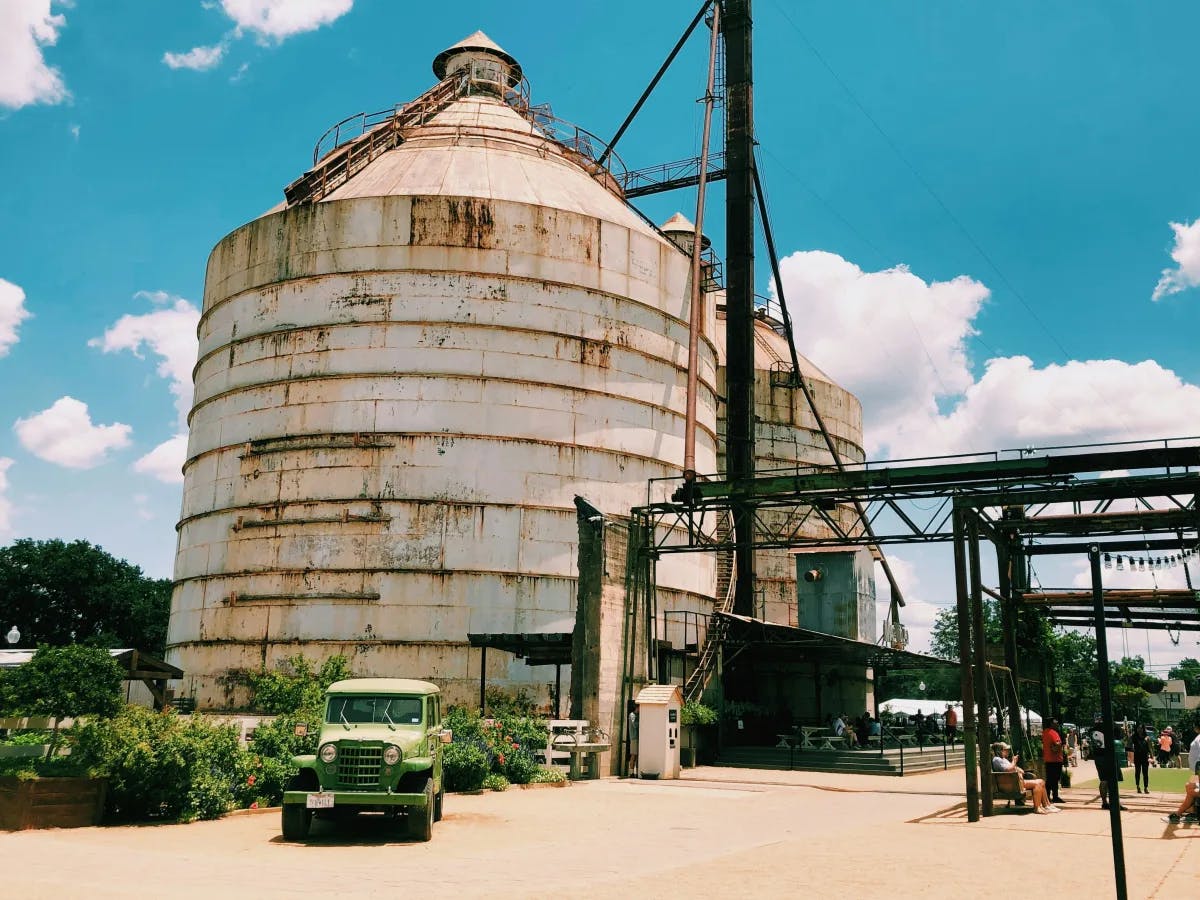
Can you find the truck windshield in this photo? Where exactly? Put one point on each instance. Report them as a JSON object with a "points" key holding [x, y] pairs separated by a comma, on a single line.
{"points": [[374, 710]]}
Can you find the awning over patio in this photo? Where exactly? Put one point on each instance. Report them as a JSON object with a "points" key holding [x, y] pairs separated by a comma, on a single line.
{"points": [[551, 648], [788, 643]]}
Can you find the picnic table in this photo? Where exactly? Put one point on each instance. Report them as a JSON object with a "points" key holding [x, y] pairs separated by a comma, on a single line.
{"points": [[806, 735]]}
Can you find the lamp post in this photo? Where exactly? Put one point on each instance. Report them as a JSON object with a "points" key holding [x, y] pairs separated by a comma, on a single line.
{"points": [[13, 636]]}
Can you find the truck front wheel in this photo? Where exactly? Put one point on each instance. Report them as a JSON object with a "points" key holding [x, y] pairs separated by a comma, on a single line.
{"points": [[296, 821], [420, 818]]}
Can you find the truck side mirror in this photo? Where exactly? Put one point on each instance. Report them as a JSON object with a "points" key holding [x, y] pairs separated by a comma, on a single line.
{"points": [[447, 736]]}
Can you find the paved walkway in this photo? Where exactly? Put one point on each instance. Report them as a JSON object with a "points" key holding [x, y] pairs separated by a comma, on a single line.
{"points": [[716, 833]]}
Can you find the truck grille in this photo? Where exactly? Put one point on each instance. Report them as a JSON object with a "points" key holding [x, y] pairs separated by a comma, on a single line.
{"points": [[358, 766]]}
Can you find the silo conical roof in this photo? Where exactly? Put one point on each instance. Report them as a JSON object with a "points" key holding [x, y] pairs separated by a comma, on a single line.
{"points": [[478, 42]]}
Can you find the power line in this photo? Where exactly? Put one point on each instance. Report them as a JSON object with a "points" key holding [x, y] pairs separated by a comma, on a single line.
{"points": [[925, 184]]}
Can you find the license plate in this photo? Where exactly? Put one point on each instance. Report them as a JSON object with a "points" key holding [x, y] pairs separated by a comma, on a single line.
{"points": [[319, 801]]}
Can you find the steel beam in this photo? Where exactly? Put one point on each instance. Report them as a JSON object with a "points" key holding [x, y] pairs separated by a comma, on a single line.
{"points": [[739, 283]]}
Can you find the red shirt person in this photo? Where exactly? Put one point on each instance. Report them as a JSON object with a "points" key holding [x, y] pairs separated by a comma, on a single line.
{"points": [[1052, 756], [951, 723]]}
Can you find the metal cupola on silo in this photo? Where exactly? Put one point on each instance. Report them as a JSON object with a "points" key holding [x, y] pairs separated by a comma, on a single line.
{"points": [[474, 55]]}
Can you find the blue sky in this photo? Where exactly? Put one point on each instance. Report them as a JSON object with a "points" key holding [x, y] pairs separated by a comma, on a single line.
{"points": [[990, 215]]}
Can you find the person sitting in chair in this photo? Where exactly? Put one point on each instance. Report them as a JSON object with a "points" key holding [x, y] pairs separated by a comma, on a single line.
{"points": [[1001, 762]]}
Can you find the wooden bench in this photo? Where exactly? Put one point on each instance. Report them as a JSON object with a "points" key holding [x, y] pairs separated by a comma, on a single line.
{"points": [[1007, 786]]}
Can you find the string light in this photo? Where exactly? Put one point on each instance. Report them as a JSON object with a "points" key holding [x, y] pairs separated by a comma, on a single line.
{"points": [[1108, 560], [1120, 564]]}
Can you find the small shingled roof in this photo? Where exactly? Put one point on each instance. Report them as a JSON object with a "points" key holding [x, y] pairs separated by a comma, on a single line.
{"points": [[660, 694], [476, 41]]}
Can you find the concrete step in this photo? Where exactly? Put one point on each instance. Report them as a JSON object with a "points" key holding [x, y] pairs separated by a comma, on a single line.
{"points": [[855, 762]]}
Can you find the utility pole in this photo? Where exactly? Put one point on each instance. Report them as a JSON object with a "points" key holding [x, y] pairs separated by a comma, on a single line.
{"points": [[739, 284]]}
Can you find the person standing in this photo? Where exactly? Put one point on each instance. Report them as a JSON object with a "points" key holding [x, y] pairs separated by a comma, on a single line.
{"points": [[1103, 754], [631, 762], [1052, 756], [1164, 748], [1140, 744], [951, 724]]}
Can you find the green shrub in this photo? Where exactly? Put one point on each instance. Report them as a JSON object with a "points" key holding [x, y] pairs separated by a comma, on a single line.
{"points": [[495, 782], [294, 687], [161, 766], [26, 767], [262, 781], [519, 767], [26, 738], [696, 713], [278, 739], [500, 702], [545, 775], [464, 766]]}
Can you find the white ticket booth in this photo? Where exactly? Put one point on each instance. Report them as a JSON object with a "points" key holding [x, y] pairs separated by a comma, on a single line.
{"points": [[659, 707]]}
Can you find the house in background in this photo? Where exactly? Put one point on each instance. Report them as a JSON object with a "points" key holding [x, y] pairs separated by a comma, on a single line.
{"points": [[1172, 702]]}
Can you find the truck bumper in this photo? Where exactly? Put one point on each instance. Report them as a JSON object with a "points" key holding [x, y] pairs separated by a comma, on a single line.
{"points": [[359, 798]]}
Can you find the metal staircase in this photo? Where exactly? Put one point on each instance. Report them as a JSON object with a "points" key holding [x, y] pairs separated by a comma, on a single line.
{"points": [[726, 581], [378, 133]]}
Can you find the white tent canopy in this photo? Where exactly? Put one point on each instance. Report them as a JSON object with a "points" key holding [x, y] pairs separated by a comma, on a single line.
{"points": [[938, 707], [928, 707]]}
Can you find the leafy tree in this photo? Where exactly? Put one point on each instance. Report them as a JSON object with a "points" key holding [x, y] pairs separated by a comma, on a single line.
{"points": [[1189, 670], [65, 682], [1075, 667], [60, 593]]}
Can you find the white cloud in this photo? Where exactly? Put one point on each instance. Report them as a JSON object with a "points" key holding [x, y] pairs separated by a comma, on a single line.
{"points": [[197, 59], [894, 340], [74, 130], [900, 344], [280, 19], [1016, 404], [12, 313], [64, 434], [26, 26], [170, 334], [1186, 254], [5, 503], [165, 462]]}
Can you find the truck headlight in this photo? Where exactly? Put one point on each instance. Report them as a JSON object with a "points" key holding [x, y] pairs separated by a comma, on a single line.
{"points": [[328, 753], [391, 755]]}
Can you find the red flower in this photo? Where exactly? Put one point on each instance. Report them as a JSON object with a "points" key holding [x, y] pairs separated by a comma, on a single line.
{"points": [[250, 781], [501, 758], [254, 805]]}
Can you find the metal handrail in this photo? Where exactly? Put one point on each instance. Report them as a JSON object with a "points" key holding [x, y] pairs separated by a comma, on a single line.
{"points": [[480, 77], [884, 731]]}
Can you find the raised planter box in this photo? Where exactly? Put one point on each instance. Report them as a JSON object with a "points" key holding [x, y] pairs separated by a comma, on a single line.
{"points": [[51, 802]]}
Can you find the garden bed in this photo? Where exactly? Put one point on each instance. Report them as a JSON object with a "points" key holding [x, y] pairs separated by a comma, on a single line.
{"points": [[51, 802]]}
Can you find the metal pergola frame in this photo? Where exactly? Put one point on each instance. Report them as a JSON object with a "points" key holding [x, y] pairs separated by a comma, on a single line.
{"points": [[1029, 504]]}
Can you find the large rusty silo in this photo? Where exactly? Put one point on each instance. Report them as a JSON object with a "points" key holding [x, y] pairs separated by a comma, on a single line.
{"points": [[407, 372]]}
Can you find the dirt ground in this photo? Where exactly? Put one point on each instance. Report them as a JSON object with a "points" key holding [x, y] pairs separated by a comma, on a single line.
{"points": [[717, 833]]}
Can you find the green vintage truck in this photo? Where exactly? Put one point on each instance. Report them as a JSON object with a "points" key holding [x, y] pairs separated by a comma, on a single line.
{"points": [[380, 750]]}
